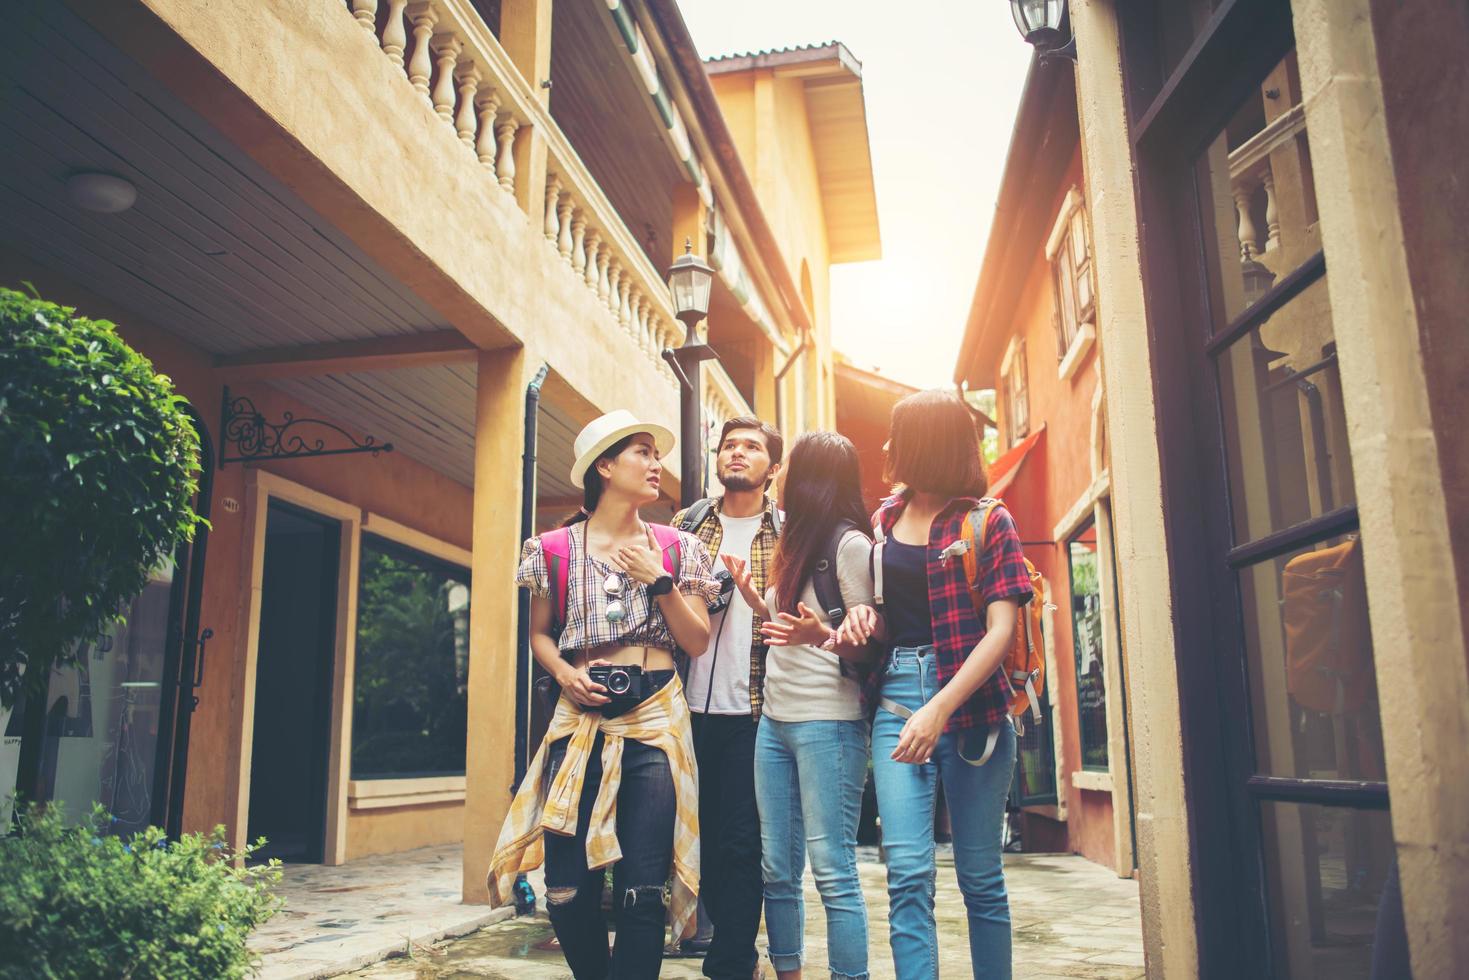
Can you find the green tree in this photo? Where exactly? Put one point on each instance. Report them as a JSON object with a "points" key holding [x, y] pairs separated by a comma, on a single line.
{"points": [[97, 463]]}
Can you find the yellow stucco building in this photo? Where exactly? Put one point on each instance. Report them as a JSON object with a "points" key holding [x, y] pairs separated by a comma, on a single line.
{"points": [[799, 121], [362, 223]]}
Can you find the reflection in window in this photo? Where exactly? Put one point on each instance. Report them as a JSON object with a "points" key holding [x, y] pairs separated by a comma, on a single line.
{"points": [[1325, 869], [1312, 676], [102, 716], [1086, 636], [410, 697], [1258, 195], [1035, 776], [1285, 423]]}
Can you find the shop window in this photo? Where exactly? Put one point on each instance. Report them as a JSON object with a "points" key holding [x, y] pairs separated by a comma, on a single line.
{"points": [[1069, 252], [1035, 775], [102, 719], [1017, 397], [410, 683], [1086, 636]]}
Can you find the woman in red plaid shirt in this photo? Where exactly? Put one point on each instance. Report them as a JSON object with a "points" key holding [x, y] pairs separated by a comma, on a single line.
{"points": [[941, 700]]}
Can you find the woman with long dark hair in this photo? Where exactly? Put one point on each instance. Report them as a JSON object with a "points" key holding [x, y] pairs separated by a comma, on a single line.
{"points": [[811, 748], [942, 703], [614, 780]]}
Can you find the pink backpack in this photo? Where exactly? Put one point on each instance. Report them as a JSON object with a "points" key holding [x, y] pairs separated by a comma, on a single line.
{"points": [[556, 546]]}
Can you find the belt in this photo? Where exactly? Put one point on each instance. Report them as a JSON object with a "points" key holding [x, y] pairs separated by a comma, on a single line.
{"points": [[893, 707]]}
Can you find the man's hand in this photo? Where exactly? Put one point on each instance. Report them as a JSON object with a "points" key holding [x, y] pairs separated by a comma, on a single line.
{"points": [[739, 573]]}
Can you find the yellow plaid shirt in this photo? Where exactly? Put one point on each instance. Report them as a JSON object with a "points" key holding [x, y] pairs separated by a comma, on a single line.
{"points": [[762, 558], [661, 721]]}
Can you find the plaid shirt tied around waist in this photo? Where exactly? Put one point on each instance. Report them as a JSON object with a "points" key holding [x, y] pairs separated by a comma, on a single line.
{"points": [[957, 628], [662, 721], [762, 557]]}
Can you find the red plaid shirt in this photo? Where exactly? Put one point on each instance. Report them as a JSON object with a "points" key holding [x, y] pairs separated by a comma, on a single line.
{"points": [[957, 628]]}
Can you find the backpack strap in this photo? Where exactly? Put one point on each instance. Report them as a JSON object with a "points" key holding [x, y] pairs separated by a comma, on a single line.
{"points": [[824, 576], [976, 528], [671, 547], [879, 541], [776, 519], [556, 549], [695, 515]]}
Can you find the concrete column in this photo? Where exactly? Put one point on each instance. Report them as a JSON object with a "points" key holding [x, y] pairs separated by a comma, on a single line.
{"points": [[489, 765], [1417, 630], [1164, 858], [525, 34]]}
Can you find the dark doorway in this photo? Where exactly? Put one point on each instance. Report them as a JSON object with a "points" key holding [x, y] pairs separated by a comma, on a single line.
{"points": [[293, 675]]}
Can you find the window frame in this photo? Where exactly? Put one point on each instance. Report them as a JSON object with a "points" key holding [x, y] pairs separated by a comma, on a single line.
{"points": [[372, 792], [1074, 321], [1014, 385]]}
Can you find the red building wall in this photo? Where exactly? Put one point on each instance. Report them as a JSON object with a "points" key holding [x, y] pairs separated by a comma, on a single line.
{"points": [[1053, 477]]}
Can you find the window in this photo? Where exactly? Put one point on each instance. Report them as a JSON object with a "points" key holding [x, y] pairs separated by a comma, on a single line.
{"points": [[410, 685], [1017, 398], [1034, 783], [1086, 641], [1070, 254]]}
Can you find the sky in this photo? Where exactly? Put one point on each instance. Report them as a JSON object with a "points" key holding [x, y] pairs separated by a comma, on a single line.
{"points": [[942, 80]]}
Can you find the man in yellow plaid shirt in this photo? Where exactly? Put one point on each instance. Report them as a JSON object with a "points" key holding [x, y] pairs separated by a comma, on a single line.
{"points": [[724, 693]]}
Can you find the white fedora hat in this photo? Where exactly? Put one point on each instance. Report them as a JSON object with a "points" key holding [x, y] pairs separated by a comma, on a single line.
{"points": [[602, 432]]}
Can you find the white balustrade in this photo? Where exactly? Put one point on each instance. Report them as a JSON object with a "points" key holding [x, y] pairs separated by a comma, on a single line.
{"points": [[454, 62]]}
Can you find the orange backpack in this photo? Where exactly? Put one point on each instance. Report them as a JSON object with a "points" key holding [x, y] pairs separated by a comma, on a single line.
{"points": [[1328, 657], [1024, 665]]}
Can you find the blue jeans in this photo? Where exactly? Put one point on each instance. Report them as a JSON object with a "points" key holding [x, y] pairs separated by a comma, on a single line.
{"points": [[808, 782], [905, 802]]}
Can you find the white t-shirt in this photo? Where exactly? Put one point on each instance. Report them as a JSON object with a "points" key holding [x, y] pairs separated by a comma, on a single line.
{"points": [[719, 681]]}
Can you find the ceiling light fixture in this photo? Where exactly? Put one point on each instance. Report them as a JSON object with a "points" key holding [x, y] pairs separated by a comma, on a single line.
{"points": [[105, 193]]}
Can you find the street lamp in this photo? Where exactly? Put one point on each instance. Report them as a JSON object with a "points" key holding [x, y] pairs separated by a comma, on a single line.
{"points": [[690, 280], [1046, 25]]}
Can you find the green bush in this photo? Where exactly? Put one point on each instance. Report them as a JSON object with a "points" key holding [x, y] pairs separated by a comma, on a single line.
{"points": [[97, 461], [76, 902]]}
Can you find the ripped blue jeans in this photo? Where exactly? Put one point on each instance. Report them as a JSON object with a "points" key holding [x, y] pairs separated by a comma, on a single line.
{"points": [[645, 815]]}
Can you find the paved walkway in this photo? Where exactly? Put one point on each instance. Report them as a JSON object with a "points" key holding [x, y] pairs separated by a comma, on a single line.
{"points": [[340, 919], [1072, 919]]}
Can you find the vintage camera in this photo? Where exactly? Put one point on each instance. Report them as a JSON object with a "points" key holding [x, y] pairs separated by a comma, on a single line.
{"points": [[726, 592], [625, 686]]}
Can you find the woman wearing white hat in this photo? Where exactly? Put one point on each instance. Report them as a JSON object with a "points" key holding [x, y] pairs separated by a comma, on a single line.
{"points": [[614, 782]]}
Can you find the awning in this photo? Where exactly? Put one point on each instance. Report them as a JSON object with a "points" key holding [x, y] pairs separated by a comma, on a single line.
{"points": [[1003, 470]]}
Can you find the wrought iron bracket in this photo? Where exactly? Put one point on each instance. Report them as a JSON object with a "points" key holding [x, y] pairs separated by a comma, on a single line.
{"points": [[254, 438]]}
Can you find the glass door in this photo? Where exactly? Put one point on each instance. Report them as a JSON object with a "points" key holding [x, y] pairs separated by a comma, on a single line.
{"points": [[1283, 733], [115, 728]]}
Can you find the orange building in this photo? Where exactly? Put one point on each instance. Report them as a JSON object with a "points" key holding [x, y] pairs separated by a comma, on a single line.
{"points": [[1031, 336]]}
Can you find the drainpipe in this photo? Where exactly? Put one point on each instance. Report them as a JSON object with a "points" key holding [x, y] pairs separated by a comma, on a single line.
{"points": [[522, 623]]}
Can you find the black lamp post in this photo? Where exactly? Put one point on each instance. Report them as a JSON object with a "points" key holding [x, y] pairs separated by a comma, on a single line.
{"points": [[1046, 25], [690, 280]]}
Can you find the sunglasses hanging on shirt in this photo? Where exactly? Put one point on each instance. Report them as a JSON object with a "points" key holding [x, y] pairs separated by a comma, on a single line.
{"points": [[616, 610]]}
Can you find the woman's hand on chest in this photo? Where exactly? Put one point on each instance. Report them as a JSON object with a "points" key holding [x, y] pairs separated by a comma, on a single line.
{"points": [[632, 555]]}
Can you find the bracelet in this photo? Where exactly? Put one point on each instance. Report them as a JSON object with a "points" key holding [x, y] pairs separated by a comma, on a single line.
{"points": [[831, 641], [662, 585]]}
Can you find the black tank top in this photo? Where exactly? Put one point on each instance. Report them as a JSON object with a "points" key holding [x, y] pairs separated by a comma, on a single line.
{"points": [[905, 593]]}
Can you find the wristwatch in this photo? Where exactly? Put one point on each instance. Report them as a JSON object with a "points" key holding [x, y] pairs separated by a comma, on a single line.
{"points": [[662, 585]]}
